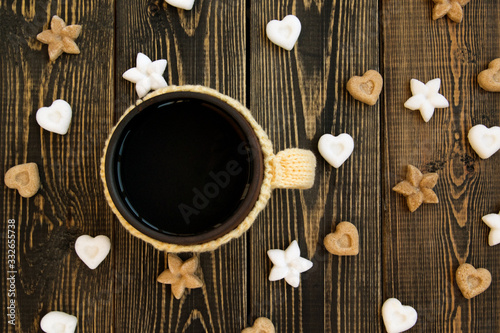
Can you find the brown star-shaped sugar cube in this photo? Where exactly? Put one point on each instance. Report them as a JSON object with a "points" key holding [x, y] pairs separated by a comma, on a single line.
{"points": [[180, 275], [452, 8], [417, 188], [61, 38]]}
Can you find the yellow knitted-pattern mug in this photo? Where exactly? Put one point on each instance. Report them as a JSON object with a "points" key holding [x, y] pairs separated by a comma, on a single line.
{"points": [[291, 169]]}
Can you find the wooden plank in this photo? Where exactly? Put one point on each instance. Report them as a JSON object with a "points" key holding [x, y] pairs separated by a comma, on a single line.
{"points": [[299, 96], [50, 276], [203, 46], [422, 250]]}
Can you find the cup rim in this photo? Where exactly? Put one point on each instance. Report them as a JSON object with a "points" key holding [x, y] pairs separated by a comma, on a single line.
{"points": [[238, 215]]}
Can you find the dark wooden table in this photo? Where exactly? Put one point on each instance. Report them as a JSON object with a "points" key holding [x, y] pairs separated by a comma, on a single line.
{"points": [[297, 96]]}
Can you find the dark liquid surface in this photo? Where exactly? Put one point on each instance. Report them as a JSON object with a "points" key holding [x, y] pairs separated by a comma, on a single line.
{"points": [[183, 167]]}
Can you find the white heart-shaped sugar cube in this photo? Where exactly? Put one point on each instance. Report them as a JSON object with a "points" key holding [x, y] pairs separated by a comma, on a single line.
{"points": [[58, 322], [183, 4], [284, 33], [485, 141], [493, 221], [92, 251], [336, 149], [397, 317], [55, 118]]}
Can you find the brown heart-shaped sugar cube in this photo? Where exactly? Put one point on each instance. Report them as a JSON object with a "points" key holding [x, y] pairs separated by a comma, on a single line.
{"points": [[261, 325], [366, 88], [24, 178], [472, 281], [344, 241], [489, 79]]}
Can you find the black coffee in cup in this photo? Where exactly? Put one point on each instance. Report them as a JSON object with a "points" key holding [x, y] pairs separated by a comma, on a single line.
{"points": [[182, 167]]}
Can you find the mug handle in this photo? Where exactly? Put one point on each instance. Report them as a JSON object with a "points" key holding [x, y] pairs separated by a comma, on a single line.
{"points": [[293, 168]]}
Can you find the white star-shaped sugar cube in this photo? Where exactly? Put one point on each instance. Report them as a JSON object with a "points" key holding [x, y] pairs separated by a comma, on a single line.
{"points": [[288, 264], [147, 74], [493, 221], [426, 98]]}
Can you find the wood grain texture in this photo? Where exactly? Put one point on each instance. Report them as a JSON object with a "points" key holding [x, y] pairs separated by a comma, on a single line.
{"points": [[299, 96], [423, 250], [50, 276], [296, 96], [203, 46]]}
